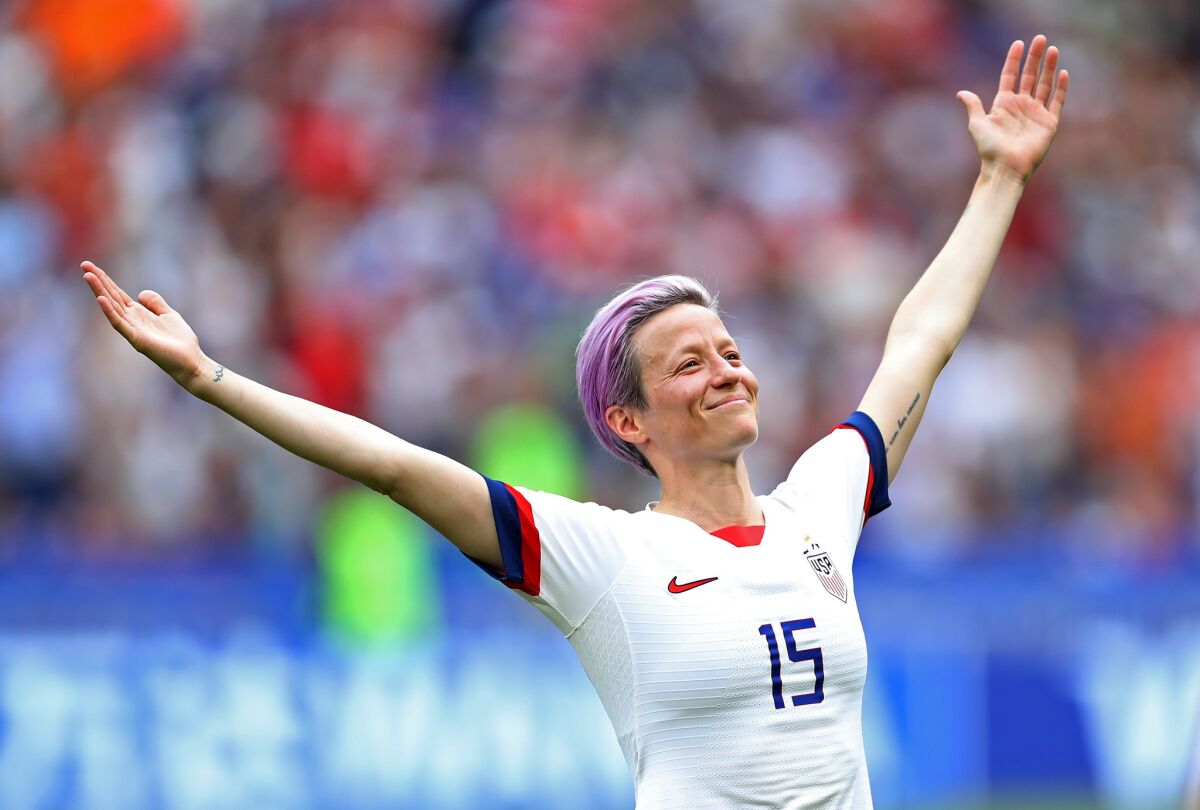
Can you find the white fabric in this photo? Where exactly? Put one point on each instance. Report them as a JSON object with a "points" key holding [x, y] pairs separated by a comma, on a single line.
{"points": [[686, 678]]}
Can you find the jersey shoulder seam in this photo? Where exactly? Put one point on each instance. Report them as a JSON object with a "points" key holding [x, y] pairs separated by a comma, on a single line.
{"points": [[608, 588], [619, 543], [637, 738]]}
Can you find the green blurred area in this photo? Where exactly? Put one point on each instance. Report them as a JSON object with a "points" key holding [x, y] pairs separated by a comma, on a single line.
{"points": [[378, 581], [379, 585], [530, 446]]}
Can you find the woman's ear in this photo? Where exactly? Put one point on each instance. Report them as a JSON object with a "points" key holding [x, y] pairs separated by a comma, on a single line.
{"points": [[626, 423]]}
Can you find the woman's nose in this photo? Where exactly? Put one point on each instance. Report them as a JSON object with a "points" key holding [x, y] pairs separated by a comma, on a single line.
{"points": [[725, 373]]}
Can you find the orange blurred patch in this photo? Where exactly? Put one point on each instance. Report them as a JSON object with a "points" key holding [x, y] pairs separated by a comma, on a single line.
{"points": [[94, 42]]}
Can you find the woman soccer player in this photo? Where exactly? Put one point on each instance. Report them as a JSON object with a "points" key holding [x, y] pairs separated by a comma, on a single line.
{"points": [[719, 627]]}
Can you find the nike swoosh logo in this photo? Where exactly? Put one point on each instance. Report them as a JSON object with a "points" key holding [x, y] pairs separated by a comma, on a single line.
{"points": [[675, 587]]}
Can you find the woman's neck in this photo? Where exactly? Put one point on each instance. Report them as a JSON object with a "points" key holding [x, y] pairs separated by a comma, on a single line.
{"points": [[712, 496]]}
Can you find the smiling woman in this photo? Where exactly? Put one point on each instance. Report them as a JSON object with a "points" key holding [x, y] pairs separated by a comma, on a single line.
{"points": [[693, 407], [692, 370], [608, 367], [682, 613], [719, 627]]}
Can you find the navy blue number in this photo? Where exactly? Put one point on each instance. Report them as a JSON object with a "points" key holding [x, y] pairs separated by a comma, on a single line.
{"points": [[776, 675], [812, 654]]}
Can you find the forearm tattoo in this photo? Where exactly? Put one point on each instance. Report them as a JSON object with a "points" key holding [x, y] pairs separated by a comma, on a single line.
{"points": [[221, 373], [900, 423]]}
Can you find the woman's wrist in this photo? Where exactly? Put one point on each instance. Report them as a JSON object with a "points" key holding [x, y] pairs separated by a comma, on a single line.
{"points": [[997, 174], [205, 373]]}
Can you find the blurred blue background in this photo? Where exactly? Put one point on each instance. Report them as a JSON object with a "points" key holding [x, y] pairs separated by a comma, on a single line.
{"points": [[409, 211]]}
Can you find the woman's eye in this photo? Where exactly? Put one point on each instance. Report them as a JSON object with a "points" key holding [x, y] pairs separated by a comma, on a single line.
{"points": [[688, 364], [733, 356]]}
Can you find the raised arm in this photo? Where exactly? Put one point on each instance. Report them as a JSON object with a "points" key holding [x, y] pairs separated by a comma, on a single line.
{"points": [[1011, 139], [445, 494]]}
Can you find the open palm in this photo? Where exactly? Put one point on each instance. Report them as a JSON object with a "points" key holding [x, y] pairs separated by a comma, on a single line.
{"points": [[150, 326], [1016, 133]]}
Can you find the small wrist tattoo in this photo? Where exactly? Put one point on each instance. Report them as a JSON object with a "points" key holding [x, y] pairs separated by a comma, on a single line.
{"points": [[220, 373]]}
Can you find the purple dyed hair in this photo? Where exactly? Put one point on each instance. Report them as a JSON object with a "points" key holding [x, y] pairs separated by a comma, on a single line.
{"points": [[607, 369]]}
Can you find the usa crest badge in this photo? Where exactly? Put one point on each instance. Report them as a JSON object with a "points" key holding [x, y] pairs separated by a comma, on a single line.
{"points": [[826, 571]]}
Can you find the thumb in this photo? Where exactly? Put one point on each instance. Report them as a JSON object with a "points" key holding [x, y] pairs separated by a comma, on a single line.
{"points": [[153, 302], [972, 103]]}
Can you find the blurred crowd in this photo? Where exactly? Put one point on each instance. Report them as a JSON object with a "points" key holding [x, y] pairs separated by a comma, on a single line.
{"points": [[409, 210]]}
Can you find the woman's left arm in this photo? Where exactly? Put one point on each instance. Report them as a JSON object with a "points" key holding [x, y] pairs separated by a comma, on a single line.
{"points": [[1012, 140]]}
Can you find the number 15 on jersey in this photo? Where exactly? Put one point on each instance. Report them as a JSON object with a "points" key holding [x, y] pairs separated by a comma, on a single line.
{"points": [[812, 654]]}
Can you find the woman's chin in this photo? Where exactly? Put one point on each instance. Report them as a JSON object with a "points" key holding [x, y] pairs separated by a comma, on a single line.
{"points": [[744, 434], [750, 439]]}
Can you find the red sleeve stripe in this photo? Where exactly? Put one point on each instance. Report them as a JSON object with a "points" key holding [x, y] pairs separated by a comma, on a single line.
{"points": [[531, 546], [520, 543], [877, 475]]}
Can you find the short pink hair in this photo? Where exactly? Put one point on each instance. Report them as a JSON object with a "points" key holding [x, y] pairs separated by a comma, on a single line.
{"points": [[608, 370]]}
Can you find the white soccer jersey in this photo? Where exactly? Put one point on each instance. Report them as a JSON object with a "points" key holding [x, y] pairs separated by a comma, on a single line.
{"points": [[731, 664]]}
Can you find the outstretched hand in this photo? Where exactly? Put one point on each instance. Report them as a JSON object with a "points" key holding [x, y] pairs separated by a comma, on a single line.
{"points": [[1016, 133], [149, 324]]}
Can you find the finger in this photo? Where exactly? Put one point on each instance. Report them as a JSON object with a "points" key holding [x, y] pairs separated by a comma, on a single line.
{"points": [[1012, 64], [112, 285], [115, 293], [98, 290], [99, 287], [972, 103], [153, 302], [124, 327], [94, 284], [92, 279], [1046, 78], [1032, 63], [1060, 94]]}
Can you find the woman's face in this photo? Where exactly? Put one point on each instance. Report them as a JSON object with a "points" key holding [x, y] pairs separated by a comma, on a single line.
{"points": [[702, 401]]}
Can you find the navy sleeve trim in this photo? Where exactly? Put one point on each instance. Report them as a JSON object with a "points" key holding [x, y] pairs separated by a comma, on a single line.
{"points": [[520, 549], [877, 487]]}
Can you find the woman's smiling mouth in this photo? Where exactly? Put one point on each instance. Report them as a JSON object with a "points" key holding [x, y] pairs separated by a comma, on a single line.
{"points": [[729, 401]]}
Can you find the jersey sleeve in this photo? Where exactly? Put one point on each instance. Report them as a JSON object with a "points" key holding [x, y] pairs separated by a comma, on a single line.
{"points": [[559, 554], [844, 475]]}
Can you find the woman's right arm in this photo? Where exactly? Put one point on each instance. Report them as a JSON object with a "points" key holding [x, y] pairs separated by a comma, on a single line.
{"points": [[447, 495]]}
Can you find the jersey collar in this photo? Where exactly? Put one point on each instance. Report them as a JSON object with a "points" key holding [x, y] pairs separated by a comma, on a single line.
{"points": [[741, 536], [738, 536]]}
